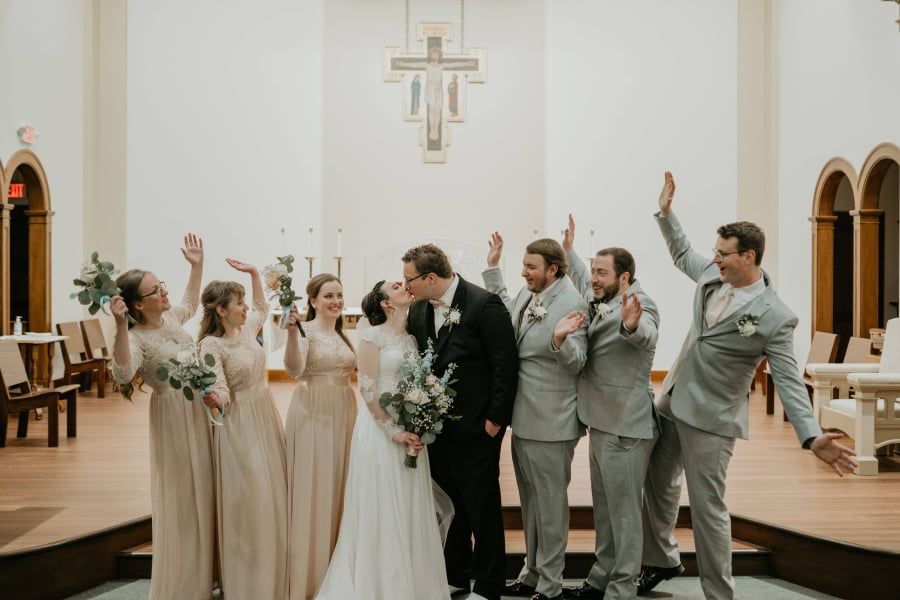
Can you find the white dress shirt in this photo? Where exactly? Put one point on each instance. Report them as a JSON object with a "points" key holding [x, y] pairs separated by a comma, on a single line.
{"points": [[440, 312], [742, 295]]}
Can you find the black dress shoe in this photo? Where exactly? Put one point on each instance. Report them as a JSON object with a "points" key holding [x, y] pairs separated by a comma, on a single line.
{"points": [[518, 588], [540, 596], [586, 590], [651, 577]]}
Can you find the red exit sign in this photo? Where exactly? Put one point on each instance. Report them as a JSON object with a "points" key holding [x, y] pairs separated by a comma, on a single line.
{"points": [[16, 190]]}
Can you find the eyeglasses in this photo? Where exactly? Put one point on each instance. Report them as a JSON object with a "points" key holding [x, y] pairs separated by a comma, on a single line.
{"points": [[409, 281], [718, 254], [156, 291]]}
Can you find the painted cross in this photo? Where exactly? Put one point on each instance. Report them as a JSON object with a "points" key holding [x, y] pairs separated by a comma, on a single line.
{"points": [[427, 101]]}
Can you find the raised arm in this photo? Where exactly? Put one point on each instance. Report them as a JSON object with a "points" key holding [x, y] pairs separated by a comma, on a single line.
{"points": [[492, 276], [686, 259], [219, 394], [257, 317], [578, 272], [193, 253]]}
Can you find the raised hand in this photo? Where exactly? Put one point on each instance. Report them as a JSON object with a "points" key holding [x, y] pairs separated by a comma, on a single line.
{"points": [[496, 249], [193, 250], [631, 311], [568, 324], [569, 236], [241, 266], [293, 325], [667, 194], [119, 310], [833, 454]]}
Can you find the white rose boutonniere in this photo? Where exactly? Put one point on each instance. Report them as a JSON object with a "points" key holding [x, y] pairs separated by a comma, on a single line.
{"points": [[536, 313], [603, 310], [452, 317], [747, 324]]}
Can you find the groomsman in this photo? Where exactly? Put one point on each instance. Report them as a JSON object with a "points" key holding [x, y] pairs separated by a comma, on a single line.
{"points": [[470, 328], [737, 321], [615, 401], [545, 427]]}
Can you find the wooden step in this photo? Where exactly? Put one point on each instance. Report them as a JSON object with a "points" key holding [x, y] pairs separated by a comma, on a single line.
{"points": [[747, 559]]}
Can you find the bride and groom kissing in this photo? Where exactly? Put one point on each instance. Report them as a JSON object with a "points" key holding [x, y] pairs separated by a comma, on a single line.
{"points": [[389, 544]]}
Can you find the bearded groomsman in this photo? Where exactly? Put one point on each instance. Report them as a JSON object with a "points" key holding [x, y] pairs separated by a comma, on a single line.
{"points": [[615, 401], [545, 427], [737, 321]]}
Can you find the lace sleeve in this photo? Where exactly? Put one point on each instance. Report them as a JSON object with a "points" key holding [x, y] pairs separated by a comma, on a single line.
{"points": [[125, 373], [211, 345], [368, 383], [296, 370], [256, 319], [187, 309]]}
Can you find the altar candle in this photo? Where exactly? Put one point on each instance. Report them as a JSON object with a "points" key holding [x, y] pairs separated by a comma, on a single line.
{"points": [[309, 250], [339, 236]]}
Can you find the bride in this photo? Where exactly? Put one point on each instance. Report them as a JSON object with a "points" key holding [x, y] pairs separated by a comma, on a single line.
{"points": [[395, 520]]}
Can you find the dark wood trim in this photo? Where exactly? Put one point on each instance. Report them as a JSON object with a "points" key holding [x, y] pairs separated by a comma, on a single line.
{"points": [[71, 566]]}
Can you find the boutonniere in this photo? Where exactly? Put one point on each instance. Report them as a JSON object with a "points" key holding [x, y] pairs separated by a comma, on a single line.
{"points": [[536, 313], [603, 310], [746, 324], [452, 317]]}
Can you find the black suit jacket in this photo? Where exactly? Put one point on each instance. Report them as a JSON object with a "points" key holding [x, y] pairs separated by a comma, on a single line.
{"points": [[483, 347]]}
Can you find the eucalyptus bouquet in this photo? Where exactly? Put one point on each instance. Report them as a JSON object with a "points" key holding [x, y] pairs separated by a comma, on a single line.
{"points": [[97, 285], [421, 400], [188, 373], [278, 280]]}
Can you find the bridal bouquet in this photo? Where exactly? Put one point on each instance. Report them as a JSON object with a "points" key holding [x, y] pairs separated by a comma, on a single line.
{"points": [[421, 400], [278, 280], [187, 373], [96, 281]]}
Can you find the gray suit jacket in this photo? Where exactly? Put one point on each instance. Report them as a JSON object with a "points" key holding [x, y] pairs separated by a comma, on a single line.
{"points": [[544, 409], [614, 392], [708, 387]]}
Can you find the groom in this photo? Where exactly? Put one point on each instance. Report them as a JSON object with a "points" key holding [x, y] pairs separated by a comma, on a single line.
{"points": [[471, 328]]}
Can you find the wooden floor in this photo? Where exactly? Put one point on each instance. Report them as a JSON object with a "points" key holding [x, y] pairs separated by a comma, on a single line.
{"points": [[101, 479]]}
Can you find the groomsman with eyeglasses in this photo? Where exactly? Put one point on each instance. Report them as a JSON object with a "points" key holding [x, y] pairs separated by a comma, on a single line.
{"points": [[738, 320], [615, 401]]}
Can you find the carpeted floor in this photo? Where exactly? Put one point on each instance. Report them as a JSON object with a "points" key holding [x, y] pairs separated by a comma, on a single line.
{"points": [[680, 588]]}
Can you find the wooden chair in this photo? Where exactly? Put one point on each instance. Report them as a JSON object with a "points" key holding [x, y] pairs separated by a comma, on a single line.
{"points": [[858, 350], [75, 346], [823, 349], [16, 396], [871, 413], [95, 342]]}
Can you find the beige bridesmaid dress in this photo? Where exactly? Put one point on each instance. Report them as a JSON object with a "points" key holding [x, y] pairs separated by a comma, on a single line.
{"points": [[319, 427]]}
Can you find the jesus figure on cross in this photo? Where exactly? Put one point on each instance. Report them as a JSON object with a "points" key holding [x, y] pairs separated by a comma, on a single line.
{"points": [[434, 85]]}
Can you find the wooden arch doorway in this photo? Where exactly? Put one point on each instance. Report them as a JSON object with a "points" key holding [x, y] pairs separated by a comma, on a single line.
{"points": [[25, 264], [875, 222], [834, 202]]}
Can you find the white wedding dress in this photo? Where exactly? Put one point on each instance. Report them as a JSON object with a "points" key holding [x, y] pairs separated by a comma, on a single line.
{"points": [[390, 542]]}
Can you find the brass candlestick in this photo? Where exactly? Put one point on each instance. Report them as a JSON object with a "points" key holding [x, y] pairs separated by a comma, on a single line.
{"points": [[338, 260], [310, 260]]}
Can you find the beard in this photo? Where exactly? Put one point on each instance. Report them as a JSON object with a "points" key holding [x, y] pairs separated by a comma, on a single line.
{"points": [[607, 293]]}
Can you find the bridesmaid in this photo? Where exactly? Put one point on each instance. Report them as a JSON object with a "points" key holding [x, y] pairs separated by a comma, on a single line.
{"points": [[248, 450], [319, 425], [181, 471]]}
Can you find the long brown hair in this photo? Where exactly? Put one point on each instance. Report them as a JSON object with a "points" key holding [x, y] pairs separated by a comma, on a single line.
{"points": [[217, 294], [129, 283], [313, 287]]}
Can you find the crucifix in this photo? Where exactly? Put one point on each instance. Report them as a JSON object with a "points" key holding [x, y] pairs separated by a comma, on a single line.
{"points": [[427, 102]]}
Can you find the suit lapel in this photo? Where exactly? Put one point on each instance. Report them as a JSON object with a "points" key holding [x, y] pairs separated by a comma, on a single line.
{"points": [[755, 307], [709, 288], [430, 333], [459, 303]]}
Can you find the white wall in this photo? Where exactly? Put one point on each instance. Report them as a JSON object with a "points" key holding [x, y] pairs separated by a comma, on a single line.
{"points": [[837, 97], [634, 89], [42, 48], [224, 130], [376, 184]]}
